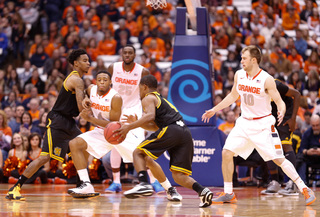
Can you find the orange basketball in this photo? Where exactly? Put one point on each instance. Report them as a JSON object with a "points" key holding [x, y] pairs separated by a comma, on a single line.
{"points": [[108, 133]]}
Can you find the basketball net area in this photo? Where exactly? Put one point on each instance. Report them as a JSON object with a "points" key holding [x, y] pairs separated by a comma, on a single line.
{"points": [[191, 8]]}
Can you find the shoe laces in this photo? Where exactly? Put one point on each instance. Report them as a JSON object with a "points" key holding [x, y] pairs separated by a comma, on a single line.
{"points": [[82, 185], [221, 194], [289, 185], [306, 193], [172, 191]]}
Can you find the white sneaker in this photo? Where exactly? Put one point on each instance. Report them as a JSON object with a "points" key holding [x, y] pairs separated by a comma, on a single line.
{"points": [[173, 195], [85, 190], [142, 189]]}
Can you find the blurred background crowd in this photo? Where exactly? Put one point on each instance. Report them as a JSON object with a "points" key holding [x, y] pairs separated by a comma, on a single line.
{"points": [[37, 35]]}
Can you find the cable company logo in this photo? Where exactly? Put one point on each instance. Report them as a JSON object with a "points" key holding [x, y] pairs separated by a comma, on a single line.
{"points": [[201, 153]]}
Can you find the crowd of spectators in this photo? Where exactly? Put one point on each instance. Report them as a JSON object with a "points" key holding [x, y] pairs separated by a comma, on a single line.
{"points": [[37, 35]]}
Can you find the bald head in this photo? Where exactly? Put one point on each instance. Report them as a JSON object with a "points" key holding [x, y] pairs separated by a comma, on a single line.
{"points": [[315, 124]]}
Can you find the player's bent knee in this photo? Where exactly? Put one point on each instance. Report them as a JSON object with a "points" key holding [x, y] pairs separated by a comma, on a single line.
{"points": [[77, 143], [43, 159], [178, 177]]}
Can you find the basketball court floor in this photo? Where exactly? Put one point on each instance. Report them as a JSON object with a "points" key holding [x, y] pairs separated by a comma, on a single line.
{"points": [[53, 201]]}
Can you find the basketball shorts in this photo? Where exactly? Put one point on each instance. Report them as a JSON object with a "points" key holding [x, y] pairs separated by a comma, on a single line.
{"points": [[177, 140], [60, 130], [285, 133], [135, 136], [260, 134], [98, 146]]}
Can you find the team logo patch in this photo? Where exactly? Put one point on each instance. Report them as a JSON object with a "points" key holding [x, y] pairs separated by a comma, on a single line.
{"points": [[57, 151], [274, 135]]}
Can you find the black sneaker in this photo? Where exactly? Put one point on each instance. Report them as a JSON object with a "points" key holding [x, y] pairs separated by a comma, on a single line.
{"points": [[140, 190], [205, 198], [173, 195]]}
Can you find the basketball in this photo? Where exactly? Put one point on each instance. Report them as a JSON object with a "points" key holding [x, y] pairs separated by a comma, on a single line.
{"points": [[108, 133]]}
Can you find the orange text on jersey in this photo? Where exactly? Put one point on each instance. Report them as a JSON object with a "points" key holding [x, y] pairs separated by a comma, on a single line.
{"points": [[249, 89], [100, 107], [126, 81]]}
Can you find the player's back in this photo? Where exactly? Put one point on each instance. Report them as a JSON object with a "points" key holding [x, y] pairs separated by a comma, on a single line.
{"points": [[255, 102], [101, 104], [166, 113], [66, 103], [127, 83]]}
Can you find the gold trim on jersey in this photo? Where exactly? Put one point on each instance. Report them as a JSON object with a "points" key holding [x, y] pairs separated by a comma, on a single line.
{"points": [[50, 143], [298, 139], [180, 169], [287, 141], [146, 142], [64, 82], [157, 95]]}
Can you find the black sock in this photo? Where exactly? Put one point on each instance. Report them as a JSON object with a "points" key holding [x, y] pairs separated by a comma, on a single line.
{"points": [[22, 179], [197, 187], [273, 169], [291, 156], [143, 176]]}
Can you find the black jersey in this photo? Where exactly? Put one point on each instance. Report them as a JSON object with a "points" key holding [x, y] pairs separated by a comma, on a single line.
{"points": [[166, 113], [66, 103], [283, 89]]}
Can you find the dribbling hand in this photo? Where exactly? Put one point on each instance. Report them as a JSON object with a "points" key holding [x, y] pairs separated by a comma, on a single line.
{"points": [[129, 118], [207, 115]]}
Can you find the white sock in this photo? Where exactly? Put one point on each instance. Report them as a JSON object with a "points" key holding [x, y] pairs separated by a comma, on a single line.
{"points": [[166, 184], [116, 177], [83, 174], [291, 172], [151, 177], [228, 188]]}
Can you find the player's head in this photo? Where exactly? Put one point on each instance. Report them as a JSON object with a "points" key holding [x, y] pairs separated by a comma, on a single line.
{"points": [[79, 60], [250, 56], [148, 84], [128, 54], [103, 81]]}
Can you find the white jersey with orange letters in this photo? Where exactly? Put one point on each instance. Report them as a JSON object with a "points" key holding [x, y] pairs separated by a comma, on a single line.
{"points": [[97, 145], [254, 129], [127, 85]]}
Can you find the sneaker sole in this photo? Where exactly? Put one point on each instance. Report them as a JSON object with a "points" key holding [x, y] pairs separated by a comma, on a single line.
{"points": [[289, 194], [10, 197], [311, 202], [112, 192], [174, 199], [209, 200], [269, 193], [137, 195], [77, 195]]}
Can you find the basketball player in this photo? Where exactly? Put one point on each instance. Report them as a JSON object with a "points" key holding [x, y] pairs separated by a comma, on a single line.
{"points": [[61, 127], [106, 106], [291, 98], [126, 76], [255, 127], [171, 135]]}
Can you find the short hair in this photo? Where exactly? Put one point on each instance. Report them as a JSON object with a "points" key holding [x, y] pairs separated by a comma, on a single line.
{"points": [[104, 72], [75, 54], [129, 45], [150, 81], [254, 51]]}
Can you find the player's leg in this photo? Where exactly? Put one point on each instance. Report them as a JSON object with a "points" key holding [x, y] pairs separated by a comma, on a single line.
{"points": [[33, 167], [159, 175], [115, 160]]}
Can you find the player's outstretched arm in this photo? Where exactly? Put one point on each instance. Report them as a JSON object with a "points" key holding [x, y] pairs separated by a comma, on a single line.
{"points": [[227, 101], [271, 89]]}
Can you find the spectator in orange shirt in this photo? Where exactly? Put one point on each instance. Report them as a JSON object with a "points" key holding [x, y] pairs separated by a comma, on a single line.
{"points": [[37, 41], [145, 13], [276, 54], [106, 24], [145, 61], [92, 49], [68, 27], [93, 17], [291, 3], [162, 19], [160, 42], [108, 45], [294, 56], [312, 63], [155, 52], [314, 19], [256, 34], [229, 124], [78, 12], [225, 11], [34, 111], [291, 20], [261, 4], [218, 22], [220, 40], [131, 24], [154, 71]]}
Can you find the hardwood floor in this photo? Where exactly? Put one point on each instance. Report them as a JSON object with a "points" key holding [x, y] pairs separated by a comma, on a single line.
{"points": [[53, 200]]}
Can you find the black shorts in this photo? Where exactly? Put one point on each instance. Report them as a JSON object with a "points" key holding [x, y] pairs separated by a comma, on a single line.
{"points": [[60, 130], [285, 134], [175, 139]]}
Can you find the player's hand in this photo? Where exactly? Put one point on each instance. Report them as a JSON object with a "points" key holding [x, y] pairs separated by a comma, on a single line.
{"points": [[122, 132], [207, 115], [129, 118], [291, 123], [280, 117], [85, 114], [86, 103]]}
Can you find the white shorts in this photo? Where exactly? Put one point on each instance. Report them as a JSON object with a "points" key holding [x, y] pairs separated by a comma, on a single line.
{"points": [[98, 146], [259, 134]]}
